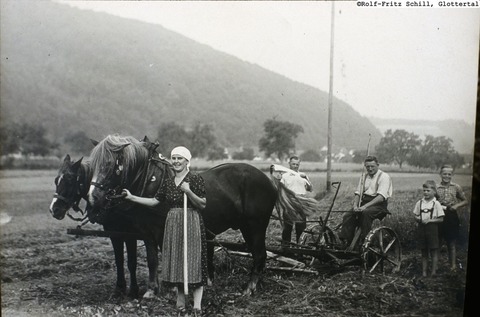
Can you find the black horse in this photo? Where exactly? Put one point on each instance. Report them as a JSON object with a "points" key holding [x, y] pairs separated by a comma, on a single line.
{"points": [[72, 183], [71, 186], [239, 196]]}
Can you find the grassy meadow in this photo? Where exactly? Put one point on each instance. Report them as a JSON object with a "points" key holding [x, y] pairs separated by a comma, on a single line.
{"points": [[27, 193]]}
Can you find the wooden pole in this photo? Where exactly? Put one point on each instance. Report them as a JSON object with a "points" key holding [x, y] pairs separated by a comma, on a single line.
{"points": [[358, 230], [185, 252], [106, 234], [362, 180], [330, 101]]}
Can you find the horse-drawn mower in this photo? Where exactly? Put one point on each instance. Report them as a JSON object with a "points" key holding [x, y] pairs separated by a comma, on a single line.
{"points": [[319, 245]]}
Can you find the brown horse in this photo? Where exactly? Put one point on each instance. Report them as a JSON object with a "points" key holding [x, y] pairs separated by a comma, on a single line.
{"points": [[239, 196], [72, 183]]}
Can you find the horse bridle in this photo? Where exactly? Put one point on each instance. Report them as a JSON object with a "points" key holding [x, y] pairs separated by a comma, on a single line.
{"points": [[71, 203], [74, 203], [112, 194]]}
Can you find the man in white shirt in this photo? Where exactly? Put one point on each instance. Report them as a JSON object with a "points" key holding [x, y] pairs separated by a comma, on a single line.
{"points": [[371, 201], [298, 183]]}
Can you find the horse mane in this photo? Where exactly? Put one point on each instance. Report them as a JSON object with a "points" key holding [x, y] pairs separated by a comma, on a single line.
{"points": [[87, 169], [112, 147]]}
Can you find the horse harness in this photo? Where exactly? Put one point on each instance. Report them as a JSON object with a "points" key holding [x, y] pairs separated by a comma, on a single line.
{"points": [[157, 165], [80, 191]]}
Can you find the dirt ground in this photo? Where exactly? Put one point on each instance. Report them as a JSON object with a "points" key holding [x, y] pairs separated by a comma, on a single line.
{"points": [[47, 272], [51, 273]]}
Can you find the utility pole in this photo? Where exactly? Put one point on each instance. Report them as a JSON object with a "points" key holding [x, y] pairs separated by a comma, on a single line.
{"points": [[330, 101]]}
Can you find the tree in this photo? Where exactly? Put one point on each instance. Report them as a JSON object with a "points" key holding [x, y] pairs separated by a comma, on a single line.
{"points": [[216, 153], [170, 135], [202, 140], [420, 159], [436, 151], [79, 142], [28, 139], [397, 146], [359, 156], [8, 142], [245, 154], [279, 137], [310, 156]]}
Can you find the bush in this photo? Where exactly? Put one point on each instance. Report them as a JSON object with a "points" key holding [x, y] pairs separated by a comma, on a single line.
{"points": [[245, 154], [310, 156], [217, 153], [29, 163]]}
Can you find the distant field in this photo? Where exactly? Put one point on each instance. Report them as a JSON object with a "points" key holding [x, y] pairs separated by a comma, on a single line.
{"points": [[321, 166], [401, 181], [27, 193], [41, 180]]}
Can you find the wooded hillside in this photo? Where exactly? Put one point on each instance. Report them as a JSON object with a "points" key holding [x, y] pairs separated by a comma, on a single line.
{"points": [[74, 70]]}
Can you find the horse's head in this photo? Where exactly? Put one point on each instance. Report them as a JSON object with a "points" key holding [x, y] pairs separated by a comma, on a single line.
{"points": [[114, 161], [68, 187]]}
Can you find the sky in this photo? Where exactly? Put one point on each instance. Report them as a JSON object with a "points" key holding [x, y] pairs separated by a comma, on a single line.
{"points": [[404, 63]]}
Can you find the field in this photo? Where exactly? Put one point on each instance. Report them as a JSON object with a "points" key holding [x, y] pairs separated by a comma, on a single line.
{"points": [[46, 272]]}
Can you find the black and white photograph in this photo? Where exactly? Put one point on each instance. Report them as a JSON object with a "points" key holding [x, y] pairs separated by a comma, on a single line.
{"points": [[238, 158]]}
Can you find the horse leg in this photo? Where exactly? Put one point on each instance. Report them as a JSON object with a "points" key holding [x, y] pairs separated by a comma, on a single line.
{"points": [[210, 253], [132, 267], [254, 236], [152, 261], [121, 286]]}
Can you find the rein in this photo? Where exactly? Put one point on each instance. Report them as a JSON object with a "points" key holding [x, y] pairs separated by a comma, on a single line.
{"points": [[82, 190], [98, 185], [111, 194]]}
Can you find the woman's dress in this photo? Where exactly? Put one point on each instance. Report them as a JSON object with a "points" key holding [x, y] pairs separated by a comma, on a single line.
{"points": [[173, 244]]}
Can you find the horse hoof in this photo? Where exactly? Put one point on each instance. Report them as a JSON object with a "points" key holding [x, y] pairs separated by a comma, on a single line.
{"points": [[119, 292], [149, 294], [209, 282], [133, 294]]}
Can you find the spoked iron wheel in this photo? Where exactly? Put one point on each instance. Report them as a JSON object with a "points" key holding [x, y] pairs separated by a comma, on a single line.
{"points": [[382, 251], [311, 236]]}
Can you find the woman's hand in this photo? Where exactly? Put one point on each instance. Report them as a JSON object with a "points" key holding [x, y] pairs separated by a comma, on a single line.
{"points": [[126, 193], [198, 202], [146, 201], [185, 187]]}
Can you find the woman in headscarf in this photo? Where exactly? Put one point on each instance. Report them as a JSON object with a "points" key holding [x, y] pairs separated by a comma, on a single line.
{"points": [[172, 193]]}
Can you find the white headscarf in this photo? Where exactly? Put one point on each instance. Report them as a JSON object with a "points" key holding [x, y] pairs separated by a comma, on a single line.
{"points": [[183, 152]]}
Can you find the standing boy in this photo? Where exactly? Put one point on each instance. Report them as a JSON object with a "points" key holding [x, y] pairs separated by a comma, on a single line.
{"points": [[452, 198], [429, 214]]}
